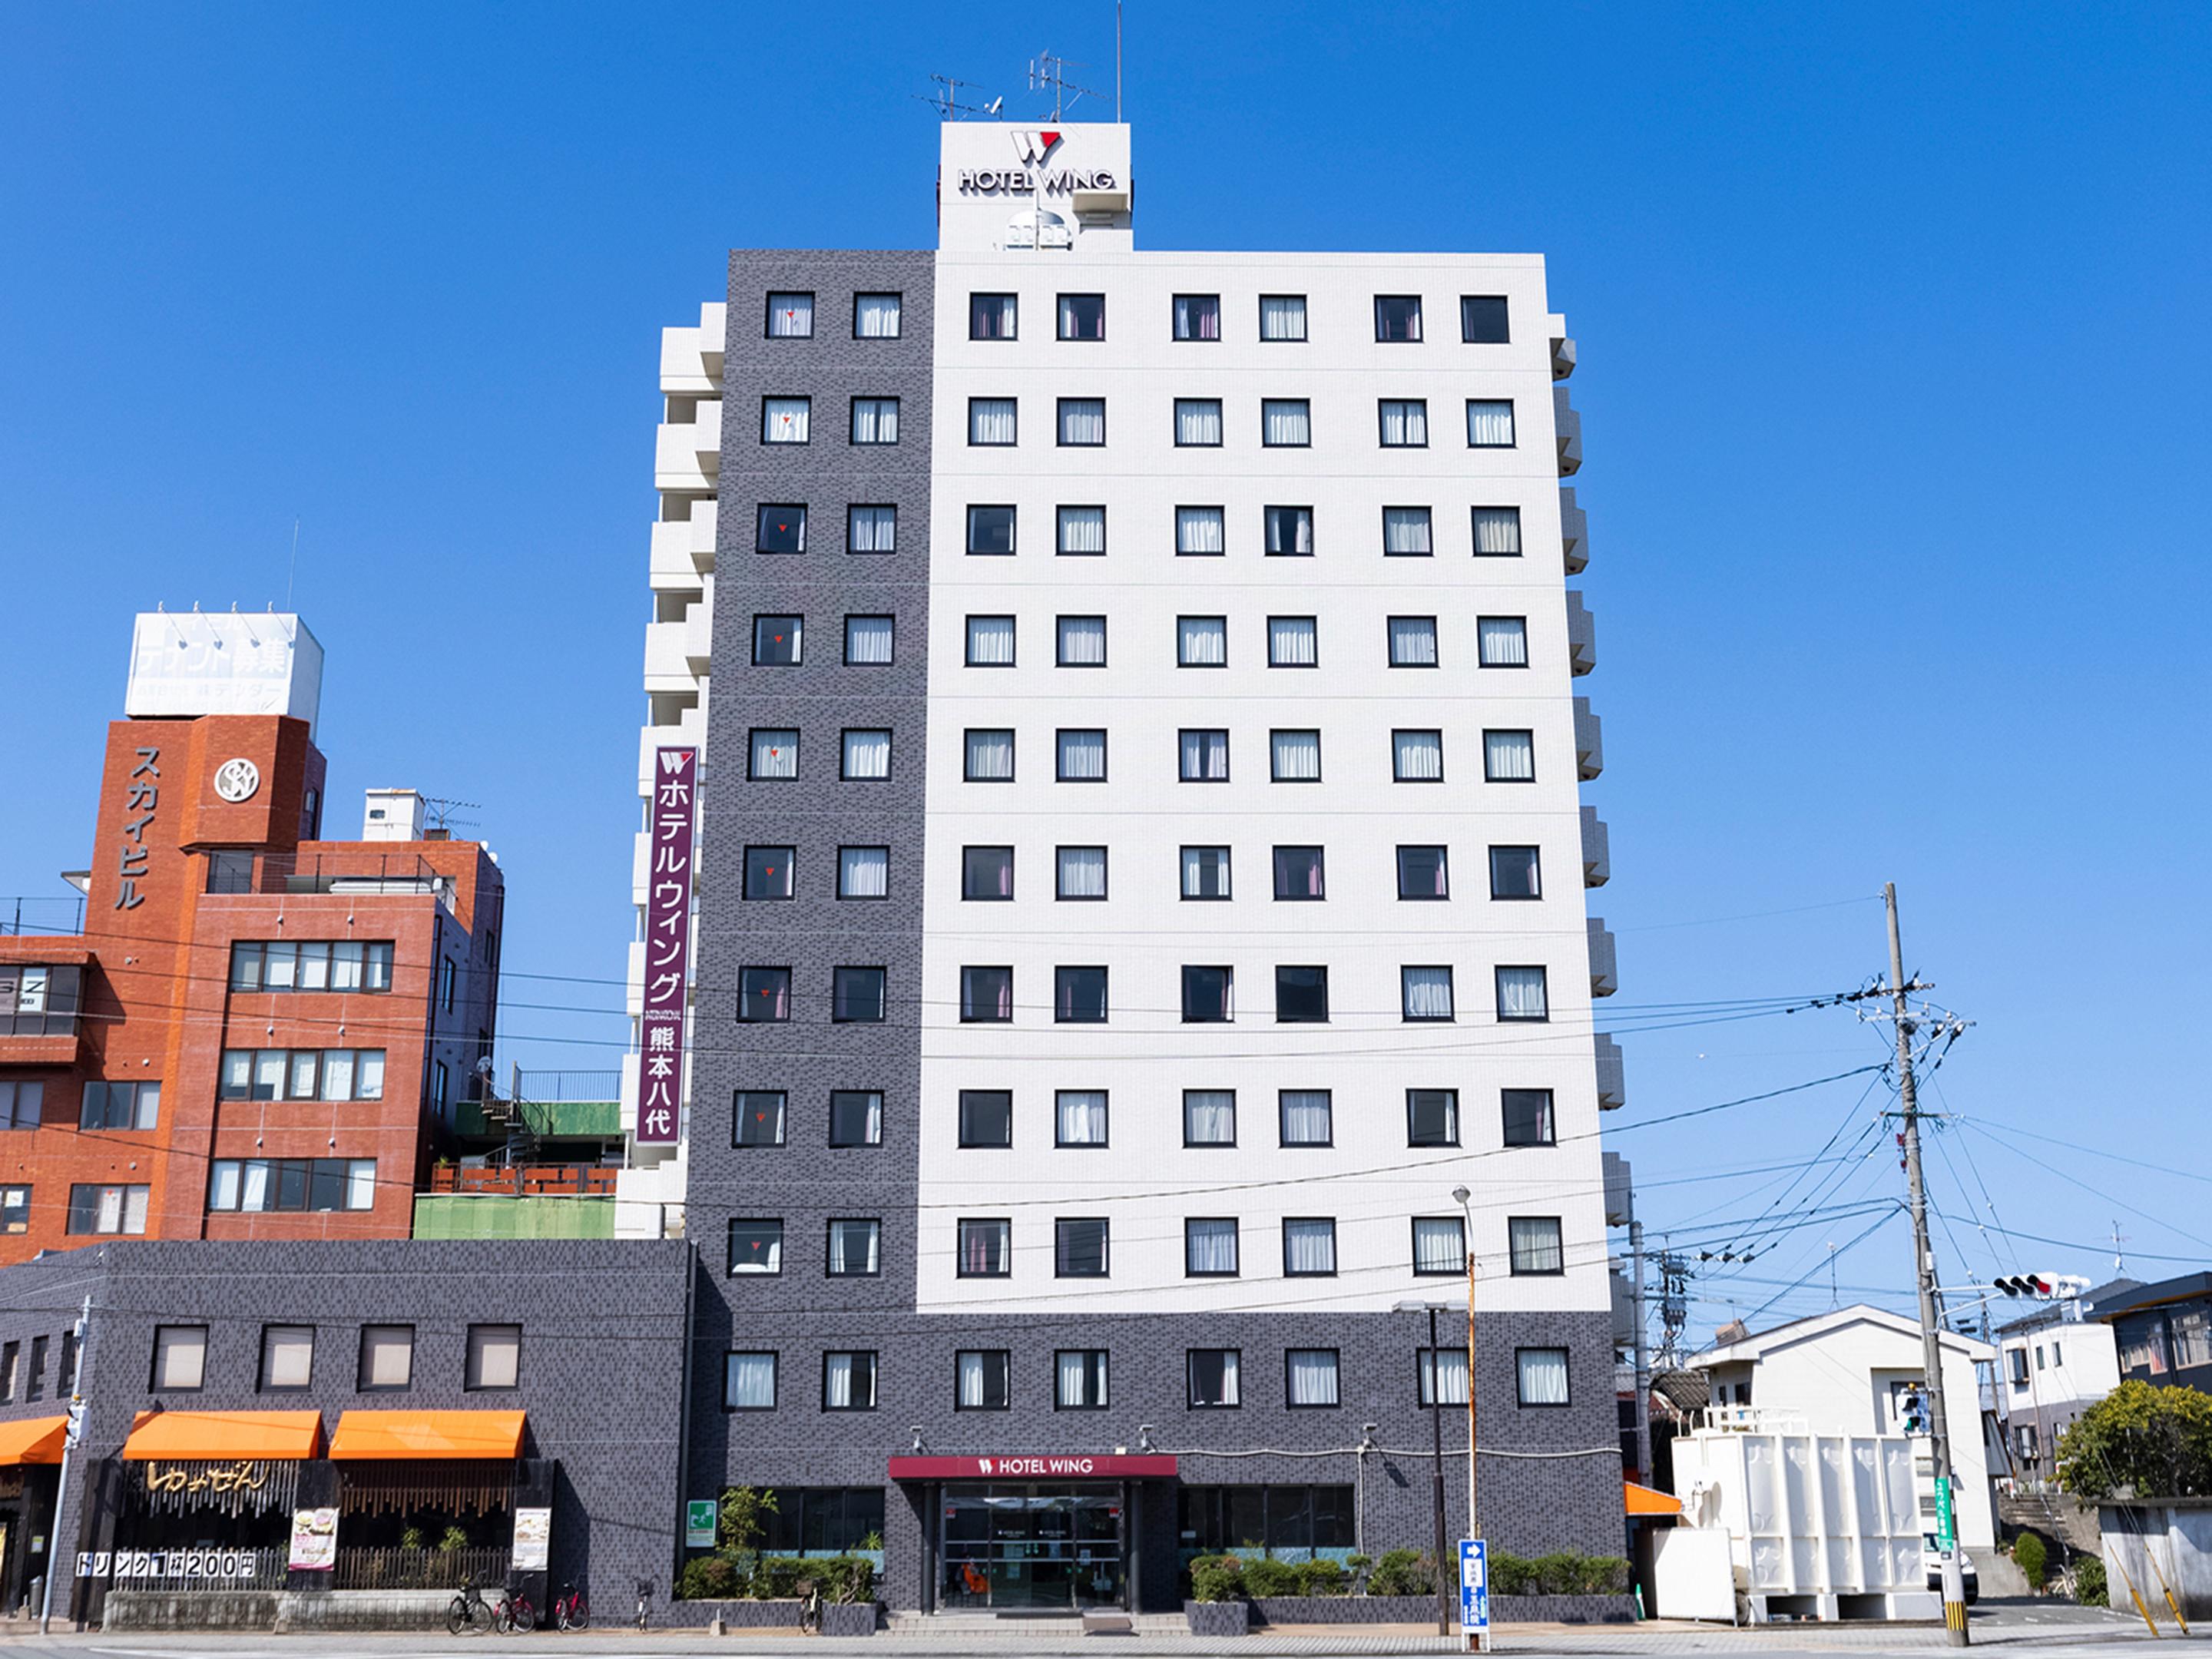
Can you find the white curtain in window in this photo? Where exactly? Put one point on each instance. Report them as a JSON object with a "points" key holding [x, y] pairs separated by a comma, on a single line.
{"points": [[1201, 865], [1446, 1371], [1285, 423], [971, 1380], [1282, 317], [253, 1187], [991, 640], [991, 420], [775, 752], [751, 1381], [1508, 757], [992, 316], [1306, 1117], [1419, 756], [360, 1183], [1209, 1116], [1504, 642], [368, 1084], [867, 754], [1438, 1245], [1082, 756], [1205, 757], [1197, 317], [222, 1184], [1198, 421], [306, 1063], [1212, 1246], [1201, 641], [853, 1246], [1428, 992], [1412, 642], [1297, 756], [871, 529], [784, 420], [1290, 530], [1521, 994], [345, 967], [337, 1073], [1075, 1379], [863, 871], [1543, 1376], [790, 316], [1291, 642], [1310, 1247], [1197, 530], [1404, 423], [875, 420], [1313, 1376], [990, 755], [1082, 1118], [1083, 641], [1083, 530], [1229, 1393], [837, 1382], [1535, 1241], [1406, 530], [876, 316], [1082, 421], [1082, 872], [1490, 423], [868, 641]]}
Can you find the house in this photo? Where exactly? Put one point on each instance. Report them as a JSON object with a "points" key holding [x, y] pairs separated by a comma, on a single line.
{"points": [[2162, 1332], [2053, 1363]]}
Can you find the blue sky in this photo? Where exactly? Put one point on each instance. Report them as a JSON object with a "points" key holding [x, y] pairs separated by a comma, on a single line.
{"points": [[1893, 330]]}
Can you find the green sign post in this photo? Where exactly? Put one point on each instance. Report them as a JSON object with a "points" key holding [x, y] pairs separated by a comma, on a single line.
{"points": [[1945, 1533]]}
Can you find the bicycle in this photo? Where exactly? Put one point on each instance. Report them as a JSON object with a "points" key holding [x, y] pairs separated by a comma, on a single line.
{"points": [[810, 1606], [570, 1610], [469, 1613], [516, 1617]]}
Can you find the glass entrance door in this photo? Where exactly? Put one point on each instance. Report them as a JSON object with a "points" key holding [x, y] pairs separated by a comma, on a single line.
{"points": [[1031, 1548]]}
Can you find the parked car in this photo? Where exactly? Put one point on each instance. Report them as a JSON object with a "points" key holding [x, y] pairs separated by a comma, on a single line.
{"points": [[1931, 1558]]}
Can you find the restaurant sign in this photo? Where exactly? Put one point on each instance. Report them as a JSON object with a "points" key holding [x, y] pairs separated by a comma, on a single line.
{"points": [[314, 1540], [667, 947], [198, 1563]]}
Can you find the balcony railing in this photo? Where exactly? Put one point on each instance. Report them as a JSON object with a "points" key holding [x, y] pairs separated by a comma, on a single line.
{"points": [[569, 1086], [29, 913], [351, 872], [525, 1180]]}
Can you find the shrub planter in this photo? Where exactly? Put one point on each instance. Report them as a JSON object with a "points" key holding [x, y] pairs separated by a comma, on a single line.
{"points": [[1218, 1617], [1349, 1609], [849, 1618], [1607, 1609], [735, 1614]]}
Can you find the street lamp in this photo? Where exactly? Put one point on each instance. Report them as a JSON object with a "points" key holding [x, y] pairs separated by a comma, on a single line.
{"points": [[1466, 1237]]}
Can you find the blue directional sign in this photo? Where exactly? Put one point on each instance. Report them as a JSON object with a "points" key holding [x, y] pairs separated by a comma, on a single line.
{"points": [[1474, 1584]]}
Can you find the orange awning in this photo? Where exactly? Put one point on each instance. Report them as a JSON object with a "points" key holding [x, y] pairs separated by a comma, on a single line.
{"points": [[1646, 1500], [427, 1434], [182, 1434], [32, 1440]]}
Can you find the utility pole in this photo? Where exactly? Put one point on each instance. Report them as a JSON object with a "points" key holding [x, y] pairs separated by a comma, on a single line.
{"points": [[56, 1548], [1924, 1263], [1437, 1482], [1643, 1357]]}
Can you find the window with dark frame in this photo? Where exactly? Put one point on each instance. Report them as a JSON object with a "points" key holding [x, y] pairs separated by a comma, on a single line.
{"points": [[1302, 995], [1197, 316], [767, 874], [991, 531], [287, 1358], [1206, 993], [749, 1381], [876, 316], [1209, 1117], [755, 1247], [1309, 1378], [1299, 874], [1079, 1380], [776, 642], [1290, 532], [1309, 1247], [1528, 1117], [790, 317], [756, 1117], [1425, 993], [984, 1248], [1306, 1117], [1080, 874], [1282, 316], [1081, 316], [987, 1117], [1078, 996], [764, 994], [848, 1380], [987, 995], [982, 1380], [1081, 424], [1483, 319], [1078, 1247], [1516, 872], [857, 996], [987, 873], [387, 1359], [1082, 532], [1212, 1374], [180, 1359], [875, 421], [1432, 1117], [1534, 1245], [493, 1362], [1523, 993], [1205, 874], [1398, 319], [853, 1248], [1423, 873], [993, 317]]}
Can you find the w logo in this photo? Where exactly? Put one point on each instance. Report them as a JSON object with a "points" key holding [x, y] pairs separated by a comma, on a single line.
{"points": [[1035, 147]]}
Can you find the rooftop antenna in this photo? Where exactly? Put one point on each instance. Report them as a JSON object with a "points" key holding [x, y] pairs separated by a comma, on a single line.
{"points": [[2119, 1254], [1047, 71], [441, 810], [947, 103]]}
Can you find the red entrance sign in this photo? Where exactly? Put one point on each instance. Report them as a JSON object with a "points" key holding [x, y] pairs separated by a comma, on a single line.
{"points": [[1039, 1465]]}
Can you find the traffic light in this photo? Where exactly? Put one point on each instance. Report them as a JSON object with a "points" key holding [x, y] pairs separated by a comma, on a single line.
{"points": [[1914, 1408], [2038, 1286]]}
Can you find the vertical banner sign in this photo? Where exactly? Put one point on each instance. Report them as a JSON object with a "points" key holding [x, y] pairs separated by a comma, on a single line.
{"points": [[1945, 1532], [1473, 1585], [667, 947]]}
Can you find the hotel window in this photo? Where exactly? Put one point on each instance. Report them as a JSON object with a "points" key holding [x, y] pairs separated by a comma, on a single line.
{"points": [[1522, 994], [1082, 531], [1198, 316], [1432, 1117], [1294, 757], [765, 995], [985, 1120], [1292, 643], [1508, 757], [1208, 995], [1405, 532], [784, 420], [1282, 316], [757, 1117], [1527, 1115], [1482, 319], [768, 873], [1398, 318], [1199, 532], [1078, 1247], [1301, 995], [1201, 641], [1212, 1378], [773, 754], [857, 996], [987, 872], [1535, 1244], [876, 316], [748, 1382], [1299, 873], [1198, 422], [287, 1357], [1502, 642], [1516, 872], [848, 1381], [138, 1105], [1078, 996], [387, 1358], [1309, 1247], [1403, 422], [1290, 532], [1310, 1377], [1490, 423], [179, 1358], [991, 531], [865, 756], [1079, 1380], [1417, 757], [1444, 1371], [981, 1380], [776, 642], [1422, 873], [992, 316], [301, 1074], [1412, 642], [988, 757], [1078, 1117], [1285, 423], [1439, 1245], [987, 995], [1497, 532], [854, 1250], [1209, 1246], [755, 1247], [1080, 873], [790, 316], [990, 641], [992, 423], [1209, 1117], [310, 965], [875, 420], [1308, 1117], [1204, 757], [868, 642], [1082, 422], [1206, 872], [986, 1249], [1082, 642], [871, 529], [782, 529], [1082, 316], [493, 1360], [1080, 757], [1426, 992], [14, 1209], [311, 1185]]}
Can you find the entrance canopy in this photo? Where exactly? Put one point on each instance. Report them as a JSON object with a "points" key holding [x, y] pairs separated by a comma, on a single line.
{"points": [[182, 1435], [1044, 1466], [32, 1440], [365, 1435], [1647, 1500]]}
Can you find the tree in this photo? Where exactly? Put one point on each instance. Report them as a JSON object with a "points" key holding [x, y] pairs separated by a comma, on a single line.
{"points": [[744, 1517], [2140, 1442]]}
